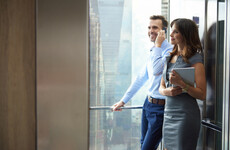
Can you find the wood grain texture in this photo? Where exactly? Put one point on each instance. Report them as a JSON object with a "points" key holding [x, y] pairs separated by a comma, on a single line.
{"points": [[17, 75]]}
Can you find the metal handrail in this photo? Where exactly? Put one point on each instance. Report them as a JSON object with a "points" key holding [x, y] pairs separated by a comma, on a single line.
{"points": [[110, 107], [211, 126], [203, 122]]}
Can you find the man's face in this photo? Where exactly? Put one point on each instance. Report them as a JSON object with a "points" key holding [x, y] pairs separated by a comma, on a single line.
{"points": [[154, 27]]}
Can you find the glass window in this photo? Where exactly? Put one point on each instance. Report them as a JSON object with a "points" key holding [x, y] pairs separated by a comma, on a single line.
{"points": [[119, 44]]}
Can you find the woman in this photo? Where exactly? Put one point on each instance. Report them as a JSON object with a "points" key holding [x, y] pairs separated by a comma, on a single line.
{"points": [[182, 115]]}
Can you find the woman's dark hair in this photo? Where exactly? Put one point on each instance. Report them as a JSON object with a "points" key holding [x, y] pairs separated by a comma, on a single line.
{"points": [[189, 31]]}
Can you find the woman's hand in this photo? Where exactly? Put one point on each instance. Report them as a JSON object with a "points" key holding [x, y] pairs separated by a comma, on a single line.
{"points": [[116, 106], [172, 91], [175, 79]]}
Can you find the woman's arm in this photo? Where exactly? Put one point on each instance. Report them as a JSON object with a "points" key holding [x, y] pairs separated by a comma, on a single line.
{"points": [[198, 92], [170, 91], [162, 87]]}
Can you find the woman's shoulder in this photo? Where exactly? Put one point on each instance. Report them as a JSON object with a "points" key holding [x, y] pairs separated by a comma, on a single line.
{"points": [[196, 58], [168, 58]]}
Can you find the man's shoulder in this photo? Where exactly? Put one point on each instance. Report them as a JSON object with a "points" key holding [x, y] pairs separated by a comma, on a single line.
{"points": [[167, 48], [167, 45]]}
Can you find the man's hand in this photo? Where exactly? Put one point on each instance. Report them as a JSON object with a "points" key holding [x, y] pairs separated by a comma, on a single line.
{"points": [[116, 107], [160, 38]]}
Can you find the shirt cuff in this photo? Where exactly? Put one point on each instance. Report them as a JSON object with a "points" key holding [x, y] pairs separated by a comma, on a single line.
{"points": [[125, 100]]}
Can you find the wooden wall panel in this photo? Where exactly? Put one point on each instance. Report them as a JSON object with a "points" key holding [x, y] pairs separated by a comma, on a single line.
{"points": [[17, 75]]}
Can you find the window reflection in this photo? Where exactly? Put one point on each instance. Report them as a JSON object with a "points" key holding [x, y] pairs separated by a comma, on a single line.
{"points": [[118, 45], [114, 130]]}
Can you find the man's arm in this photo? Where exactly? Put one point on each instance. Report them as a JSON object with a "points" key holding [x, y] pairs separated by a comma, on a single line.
{"points": [[158, 59], [132, 90], [159, 52]]}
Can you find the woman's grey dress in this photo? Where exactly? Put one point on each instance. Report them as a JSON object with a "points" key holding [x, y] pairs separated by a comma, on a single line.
{"points": [[182, 115]]}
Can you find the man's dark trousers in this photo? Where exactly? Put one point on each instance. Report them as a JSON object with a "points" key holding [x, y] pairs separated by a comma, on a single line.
{"points": [[151, 125]]}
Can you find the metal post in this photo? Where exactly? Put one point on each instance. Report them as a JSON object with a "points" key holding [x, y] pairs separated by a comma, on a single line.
{"points": [[225, 124]]}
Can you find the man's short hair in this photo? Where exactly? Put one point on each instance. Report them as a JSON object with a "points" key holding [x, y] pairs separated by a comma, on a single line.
{"points": [[162, 18]]}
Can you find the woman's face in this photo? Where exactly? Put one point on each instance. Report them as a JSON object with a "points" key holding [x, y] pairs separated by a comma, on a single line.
{"points": [[176, 37]]}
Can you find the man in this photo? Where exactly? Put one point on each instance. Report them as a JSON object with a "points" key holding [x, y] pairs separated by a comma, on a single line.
{"points": [[153, 108]]}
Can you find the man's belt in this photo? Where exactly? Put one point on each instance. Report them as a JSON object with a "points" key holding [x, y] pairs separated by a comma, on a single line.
{"points": [[156, 101]]}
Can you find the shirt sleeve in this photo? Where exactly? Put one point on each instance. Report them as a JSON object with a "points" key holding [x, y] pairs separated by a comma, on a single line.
{"points": [[136, 85], [158, 58]]}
